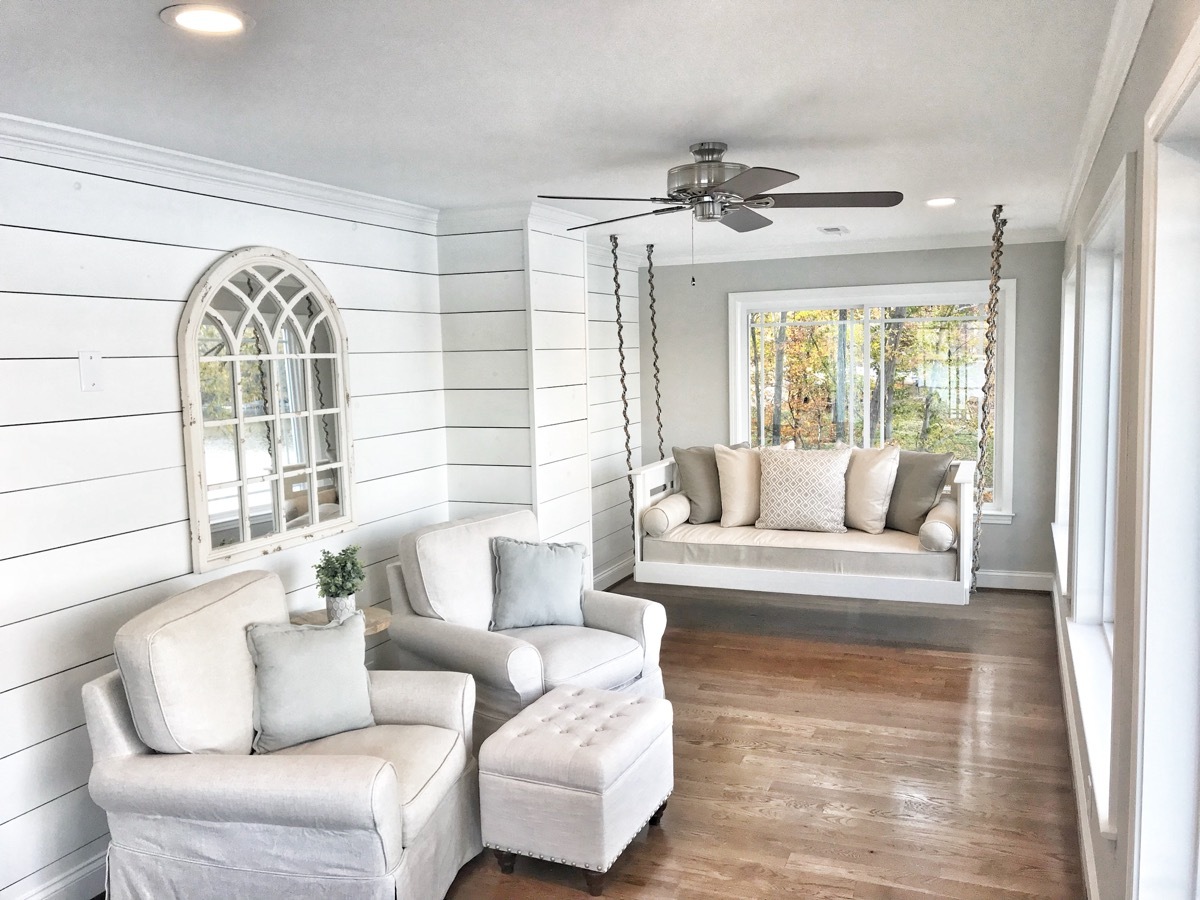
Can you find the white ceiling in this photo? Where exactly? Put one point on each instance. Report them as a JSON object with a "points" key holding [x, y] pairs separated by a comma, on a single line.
{"points": [[463, 103]]}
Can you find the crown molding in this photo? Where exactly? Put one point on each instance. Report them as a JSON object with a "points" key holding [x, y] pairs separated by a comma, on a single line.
{"points": [[1124, 35], [838, 247], [86, 151]]}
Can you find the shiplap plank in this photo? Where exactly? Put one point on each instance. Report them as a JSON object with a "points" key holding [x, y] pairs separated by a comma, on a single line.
{"points": [[396, 413], [554, 330], [484, 331], [607, 388], [44, 582], [50, 389], [566, 512], [615, 518], [604, 416], [375, 331], [560, 404], [555, 442], [612, 548], [488, 408], [612, 466], [484, 368], [48, 517], [555, 368], [38, 774], [394, 373], [98, 266], [556, 253], [610, 493], [44, 708], [483, 292], [45, 197], [462, 508], [490, 484], [43, 835], [77, 876], [550, 291], [580, 533], [491, 251], [563, 477], [612, 440], [602, 307], [393, 454], [380, 499], [603, 336], [608, 362], [112, 326], [41, 646], [488, 446], [34, 456], [357, 287]]}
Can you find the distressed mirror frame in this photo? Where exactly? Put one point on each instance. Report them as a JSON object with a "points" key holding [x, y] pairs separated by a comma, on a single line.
{"points": [[264, 299]]}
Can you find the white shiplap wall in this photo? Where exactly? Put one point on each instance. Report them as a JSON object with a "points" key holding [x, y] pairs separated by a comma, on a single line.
{"points": [[612, 527], [93, 520]]}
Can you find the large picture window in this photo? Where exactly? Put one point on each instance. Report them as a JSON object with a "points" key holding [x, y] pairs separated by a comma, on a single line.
{"points": [[900, 364], [262, 372]]}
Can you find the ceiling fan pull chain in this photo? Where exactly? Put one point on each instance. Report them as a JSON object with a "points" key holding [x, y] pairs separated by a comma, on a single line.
{"points": [[989, 381], [621, 361], [654, 349]]}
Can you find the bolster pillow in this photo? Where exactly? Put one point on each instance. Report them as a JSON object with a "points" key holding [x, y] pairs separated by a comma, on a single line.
{"points": [[664, 515], [939, 531]]}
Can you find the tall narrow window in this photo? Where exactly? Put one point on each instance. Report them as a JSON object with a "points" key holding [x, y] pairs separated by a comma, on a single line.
{"points": [[262, 373]]}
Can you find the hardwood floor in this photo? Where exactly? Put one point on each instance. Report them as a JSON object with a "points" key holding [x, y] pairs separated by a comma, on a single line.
{"points": [[848, 749]]}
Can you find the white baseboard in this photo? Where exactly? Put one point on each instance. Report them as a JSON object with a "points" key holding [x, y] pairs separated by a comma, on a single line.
{"points": [[81, 882], [1015, 581], [609, 576]]}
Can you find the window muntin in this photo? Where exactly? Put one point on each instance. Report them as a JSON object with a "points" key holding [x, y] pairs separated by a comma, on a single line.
{"points": [[874, 365], [262, 365]]}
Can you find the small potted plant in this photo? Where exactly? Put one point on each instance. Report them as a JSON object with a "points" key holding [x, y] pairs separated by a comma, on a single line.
{"points": [[339, 575]]}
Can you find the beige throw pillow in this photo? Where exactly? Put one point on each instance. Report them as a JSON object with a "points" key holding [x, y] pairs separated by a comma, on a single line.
{"points": [[869, 480], [739, 470], [804, 490]]}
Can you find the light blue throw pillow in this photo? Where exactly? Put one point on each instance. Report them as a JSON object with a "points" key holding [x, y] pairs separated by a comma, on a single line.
{"points": [[310, 681], [537, 584]]}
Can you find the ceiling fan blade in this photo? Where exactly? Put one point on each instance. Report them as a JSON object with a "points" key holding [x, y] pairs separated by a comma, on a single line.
{"points": [[630, 199], [653, 212], [754, 181], [827, 200], [743, 220]]}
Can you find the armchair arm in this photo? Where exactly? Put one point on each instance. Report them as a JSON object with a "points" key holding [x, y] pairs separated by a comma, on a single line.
{"points": [[445, 699], [329, 792], [499, 660], [643, 620]]}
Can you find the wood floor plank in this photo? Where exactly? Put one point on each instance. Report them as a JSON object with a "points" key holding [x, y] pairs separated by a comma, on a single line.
{"points": [[848, 750]]}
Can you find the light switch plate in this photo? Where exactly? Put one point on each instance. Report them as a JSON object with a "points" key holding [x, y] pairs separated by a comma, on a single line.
{"points": [[89, 370]]}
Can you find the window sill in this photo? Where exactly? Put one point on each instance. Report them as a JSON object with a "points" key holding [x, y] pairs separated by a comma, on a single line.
{"points": [[1091, 661], [997, 517]]}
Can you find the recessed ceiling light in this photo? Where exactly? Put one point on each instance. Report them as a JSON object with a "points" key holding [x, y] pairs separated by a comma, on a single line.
{"points": [[941, 201], [204, 18]]}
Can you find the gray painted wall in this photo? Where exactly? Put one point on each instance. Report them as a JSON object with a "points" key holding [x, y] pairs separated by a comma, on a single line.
{"points": [[693, 333]]}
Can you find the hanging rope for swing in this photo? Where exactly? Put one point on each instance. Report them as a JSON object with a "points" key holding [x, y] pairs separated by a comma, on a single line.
{"points": [[987, 404], [621, 361]]}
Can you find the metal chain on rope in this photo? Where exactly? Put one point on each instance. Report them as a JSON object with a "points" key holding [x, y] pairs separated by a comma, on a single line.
{"points": [[987, 404], [621, 357], [654, 348]]}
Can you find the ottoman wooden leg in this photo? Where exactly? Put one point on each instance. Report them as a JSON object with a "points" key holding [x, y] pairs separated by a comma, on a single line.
{"points": [[656, 819], [507, 860], [595, 881]]}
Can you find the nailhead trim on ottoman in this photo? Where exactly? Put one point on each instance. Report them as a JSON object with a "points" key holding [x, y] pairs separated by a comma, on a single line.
{"points": [[576, 776]]}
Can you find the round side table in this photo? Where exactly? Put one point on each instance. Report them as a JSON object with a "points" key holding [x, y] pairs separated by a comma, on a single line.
{"points": [[377, 618]]}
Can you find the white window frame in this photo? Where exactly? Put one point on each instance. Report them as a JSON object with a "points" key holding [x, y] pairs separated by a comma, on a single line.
{"points": [[742, 304], [205, 556], [1064, 463]]}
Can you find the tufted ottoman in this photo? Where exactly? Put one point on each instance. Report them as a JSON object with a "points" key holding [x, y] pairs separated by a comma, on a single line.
{"points": [[574, 777]]}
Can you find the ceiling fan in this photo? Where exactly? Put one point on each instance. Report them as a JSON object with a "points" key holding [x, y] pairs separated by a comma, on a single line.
{"points": [[729, 193]]}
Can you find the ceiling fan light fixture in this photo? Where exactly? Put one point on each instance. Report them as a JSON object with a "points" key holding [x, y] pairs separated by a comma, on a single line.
{"points": [[941, 202], [206, 18]]}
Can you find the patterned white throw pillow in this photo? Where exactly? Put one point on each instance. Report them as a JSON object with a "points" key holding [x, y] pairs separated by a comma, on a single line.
{"points": [[804, 490]]}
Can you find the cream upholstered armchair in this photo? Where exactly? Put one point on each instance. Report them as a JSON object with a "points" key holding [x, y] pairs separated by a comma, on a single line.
{"points": [[442, 595], [382, 812]]}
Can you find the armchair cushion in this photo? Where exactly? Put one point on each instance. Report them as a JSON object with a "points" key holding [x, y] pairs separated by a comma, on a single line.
{"points": [[537, 584], [428, 761], [448, 568], [587, 657], [310, 681], [186, 667]]}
